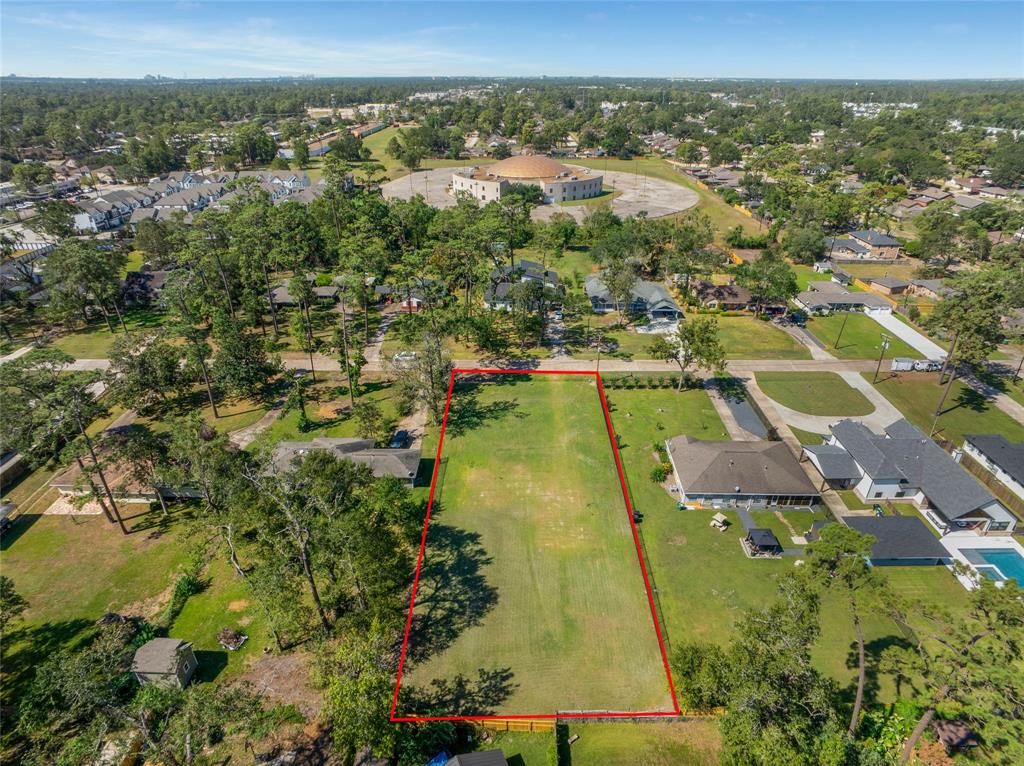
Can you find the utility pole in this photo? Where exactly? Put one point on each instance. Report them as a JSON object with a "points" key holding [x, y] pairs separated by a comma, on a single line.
{"points": [[878, 368], [846, 315]]}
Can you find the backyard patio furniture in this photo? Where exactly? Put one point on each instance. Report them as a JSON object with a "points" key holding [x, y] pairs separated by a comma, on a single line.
{"points": [[720, 522]]}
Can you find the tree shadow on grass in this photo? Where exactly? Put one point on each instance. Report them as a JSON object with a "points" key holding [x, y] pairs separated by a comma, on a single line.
{"points": [[872, 655], [970, 399], [453, 593], [27, 646], [462, 695], [467, 412]]}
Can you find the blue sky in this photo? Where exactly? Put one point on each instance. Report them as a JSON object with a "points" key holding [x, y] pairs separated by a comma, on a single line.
{"points": [[927, 40]]}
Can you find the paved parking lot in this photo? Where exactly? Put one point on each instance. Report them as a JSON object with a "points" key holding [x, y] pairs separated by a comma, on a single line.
{"points": [[638, 193]]}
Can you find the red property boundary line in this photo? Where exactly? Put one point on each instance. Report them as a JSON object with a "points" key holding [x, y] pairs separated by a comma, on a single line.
{"points": [[636, 541]]}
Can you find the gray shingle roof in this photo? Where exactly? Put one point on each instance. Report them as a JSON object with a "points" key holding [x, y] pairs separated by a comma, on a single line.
{"points": [[749, 468], [898, 537], [158, 655], [874, 238], [890, 282], [400, 463], [1002, 452], [835, 462], [908, 454], [849, 244]]}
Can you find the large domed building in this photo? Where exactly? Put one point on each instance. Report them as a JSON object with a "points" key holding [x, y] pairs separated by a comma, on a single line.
{"points": [[558, 182]]}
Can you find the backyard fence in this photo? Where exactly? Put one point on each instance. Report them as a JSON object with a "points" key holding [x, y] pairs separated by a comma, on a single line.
{"points": [[519, 724], [997, 488]]}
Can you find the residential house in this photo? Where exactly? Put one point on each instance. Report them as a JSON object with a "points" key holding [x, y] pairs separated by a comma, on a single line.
{"points": [[281, 296], [889, 285], [904, 464], [908, 208], [880, 246], [167, 662], [931, 194], [403, 464], [723, 176], [499, 294], [739, 474], [191, 199], [846, 248], [721, 297], [969, 184], [144, 286], [962, 204], [830, 297], [900, 541], [994, 192], [482, 758], [935, 289], [996, 457], [649, 298]]}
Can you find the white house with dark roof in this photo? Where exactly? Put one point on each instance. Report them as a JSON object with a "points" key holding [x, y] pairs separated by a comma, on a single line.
{"points": [[650, 298], [1003, 459], [904, 464]]}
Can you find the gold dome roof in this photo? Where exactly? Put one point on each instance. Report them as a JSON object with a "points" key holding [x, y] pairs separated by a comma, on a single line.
{"points": [[532, 166]]}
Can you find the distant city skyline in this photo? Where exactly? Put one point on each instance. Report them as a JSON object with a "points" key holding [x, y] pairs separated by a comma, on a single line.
{"points": [[786, 40]]}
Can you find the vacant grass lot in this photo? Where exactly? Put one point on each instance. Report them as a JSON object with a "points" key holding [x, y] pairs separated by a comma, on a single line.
{"points": [[861, 338], [965, 411], [814, 393], [531, 598]]}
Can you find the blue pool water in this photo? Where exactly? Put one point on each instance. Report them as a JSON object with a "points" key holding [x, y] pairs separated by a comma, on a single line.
{"points": [[1008, 562]]}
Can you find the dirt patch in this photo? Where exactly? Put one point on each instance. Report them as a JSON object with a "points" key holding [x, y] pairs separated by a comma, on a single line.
{"points": [[329, 410], [239, 605], [284, 679], [149, 608]]}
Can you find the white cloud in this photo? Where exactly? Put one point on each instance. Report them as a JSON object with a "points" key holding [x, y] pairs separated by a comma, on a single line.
{"points": [[252, 46]]}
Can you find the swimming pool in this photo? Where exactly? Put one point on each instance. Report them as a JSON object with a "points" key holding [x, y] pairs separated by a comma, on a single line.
{"points": [[996, 563]]}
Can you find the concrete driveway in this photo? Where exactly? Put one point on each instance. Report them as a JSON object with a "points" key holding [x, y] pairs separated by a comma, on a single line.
{"points": [[910, 336]]}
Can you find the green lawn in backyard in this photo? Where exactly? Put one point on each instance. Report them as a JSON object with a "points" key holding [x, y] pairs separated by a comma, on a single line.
{"points": [[861, 337], [814, 393], [94, 340], [806, 274], [745, 337], [73, 570], [965, 411], [703, 580], [225, 602], [898, 270], [530, 573], [693, 743], [520, 748]]}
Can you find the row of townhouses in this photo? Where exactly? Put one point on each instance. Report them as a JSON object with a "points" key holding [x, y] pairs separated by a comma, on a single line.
{"points": [[182, 191]]}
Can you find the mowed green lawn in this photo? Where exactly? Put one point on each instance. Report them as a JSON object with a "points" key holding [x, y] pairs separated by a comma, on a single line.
{"points": [[965, 411], [860, 339], [747, 338], [815, 393], [531, 598]]}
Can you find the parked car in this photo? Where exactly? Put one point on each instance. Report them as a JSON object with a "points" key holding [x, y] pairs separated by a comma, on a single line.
{"points": [[5, 518], [927, 365], [399, 441], [404, 357]]}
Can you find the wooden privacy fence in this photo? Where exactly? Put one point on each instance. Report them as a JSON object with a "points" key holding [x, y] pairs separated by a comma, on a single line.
{"points": [[997, 488], [519, 724]]}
